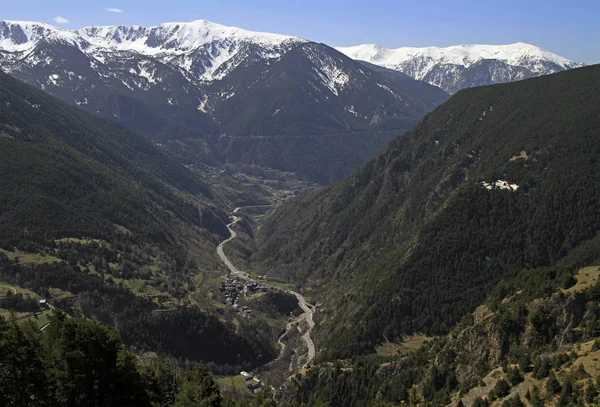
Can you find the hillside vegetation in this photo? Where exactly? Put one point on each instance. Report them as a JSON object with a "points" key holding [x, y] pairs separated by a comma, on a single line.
{"points": [[517, 349], [69, 173], [104, 226], [421, 235], [75, 362]]}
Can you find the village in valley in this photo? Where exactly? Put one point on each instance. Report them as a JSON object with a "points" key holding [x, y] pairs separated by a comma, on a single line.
{"points": [[232, 287]]}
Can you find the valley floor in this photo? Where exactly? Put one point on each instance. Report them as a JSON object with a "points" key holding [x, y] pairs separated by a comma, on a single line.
{"points": [[304, 323]]}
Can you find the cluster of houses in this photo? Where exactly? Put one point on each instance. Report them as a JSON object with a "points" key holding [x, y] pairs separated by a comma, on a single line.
{"points": [[253, 383], [256, 287], [231, 287]]}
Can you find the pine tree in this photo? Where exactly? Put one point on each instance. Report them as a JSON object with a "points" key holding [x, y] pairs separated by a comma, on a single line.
{"points": [[264, 398], [413, 398], [536, 398], [479, 402], [513, 402], [501, 389], [581, 373], [552, 385], [198, 389], [22, 379], [590, 393], [514, 376]]}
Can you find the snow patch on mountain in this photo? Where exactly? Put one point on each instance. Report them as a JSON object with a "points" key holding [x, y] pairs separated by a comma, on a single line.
{"points": [[203, 105], [54, 79], [146, 72], [351, 109], [500, 184], [333, 78], [329, 71], [390, 91]]}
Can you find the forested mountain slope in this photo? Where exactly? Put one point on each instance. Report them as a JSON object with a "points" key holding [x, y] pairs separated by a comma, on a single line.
{"points": [[75, 362], [68, 173], [534, 342], [105, 226], [497, 179]]}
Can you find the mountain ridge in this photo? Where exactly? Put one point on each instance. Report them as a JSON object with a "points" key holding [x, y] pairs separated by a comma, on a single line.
{"points": [[227, 87], [450, 67]]}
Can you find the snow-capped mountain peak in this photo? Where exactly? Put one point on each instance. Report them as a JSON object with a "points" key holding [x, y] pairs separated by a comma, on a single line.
{"points": [[17, 36], [176, 37], [464, 55], [20, 36], [207, 78], [202, 50], [436, 65]]}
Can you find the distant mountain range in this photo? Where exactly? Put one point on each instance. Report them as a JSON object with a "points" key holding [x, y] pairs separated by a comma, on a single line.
{"points": [[229, 95], [464, 66], [228, 86]]}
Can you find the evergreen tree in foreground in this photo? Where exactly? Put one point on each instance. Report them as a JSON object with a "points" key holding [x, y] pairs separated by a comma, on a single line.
{"points": [[198, 389]]}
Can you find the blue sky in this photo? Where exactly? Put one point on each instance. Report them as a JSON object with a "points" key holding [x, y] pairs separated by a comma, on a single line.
{"points": [[568, 28]]}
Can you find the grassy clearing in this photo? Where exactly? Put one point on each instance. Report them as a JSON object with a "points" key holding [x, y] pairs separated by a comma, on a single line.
{"points": [[590, 362], [409, 344], [155, 266], [82, 241], [58, 294], [31, 258], [8, 314], [589, 358], [138, 287], [39, 319], [483, 391], [522, 156], [233, 387], [6, 288], [586, 278], [146, 290], [134, 285]]}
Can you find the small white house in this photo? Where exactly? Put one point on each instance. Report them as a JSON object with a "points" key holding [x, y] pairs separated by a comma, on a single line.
{"points": [[246, 375]]}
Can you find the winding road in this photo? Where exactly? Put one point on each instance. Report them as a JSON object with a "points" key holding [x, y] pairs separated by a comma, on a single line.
{"points": [[308, 311]]}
